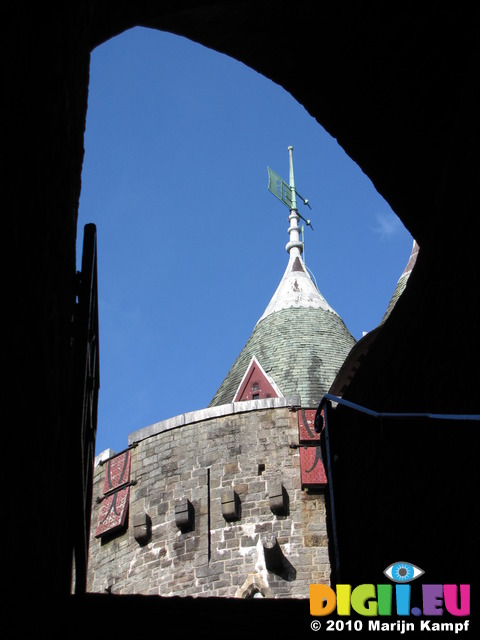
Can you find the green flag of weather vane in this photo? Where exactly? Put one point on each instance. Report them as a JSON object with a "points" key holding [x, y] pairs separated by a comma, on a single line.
{"points": [[287, 193]]}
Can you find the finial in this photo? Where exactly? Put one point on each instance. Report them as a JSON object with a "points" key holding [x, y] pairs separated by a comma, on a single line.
{"points": [[287, 193], [295, 245], [292, 180]]}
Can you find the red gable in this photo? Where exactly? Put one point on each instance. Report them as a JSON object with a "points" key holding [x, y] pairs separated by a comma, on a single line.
{"points": [[256, 385]]}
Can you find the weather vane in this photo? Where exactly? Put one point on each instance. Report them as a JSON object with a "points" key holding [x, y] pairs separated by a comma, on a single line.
{"points": [[287, 193]]}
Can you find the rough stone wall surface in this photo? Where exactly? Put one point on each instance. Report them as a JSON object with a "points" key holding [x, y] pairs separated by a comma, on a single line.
{"points": [[250, 453]]}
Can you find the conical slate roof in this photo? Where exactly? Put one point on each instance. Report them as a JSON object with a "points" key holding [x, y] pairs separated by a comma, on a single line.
{"points": [[300, 341]]}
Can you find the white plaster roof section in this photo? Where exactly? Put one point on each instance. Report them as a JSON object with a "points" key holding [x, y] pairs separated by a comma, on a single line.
{"points": [[297, 290]]}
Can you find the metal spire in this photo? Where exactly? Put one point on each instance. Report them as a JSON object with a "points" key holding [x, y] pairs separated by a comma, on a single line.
{"points": [[288, 195], [292, 180], [295, 246]]}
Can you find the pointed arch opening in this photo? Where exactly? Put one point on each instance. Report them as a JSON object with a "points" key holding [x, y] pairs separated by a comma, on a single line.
{"points": [[254, 586], [190, 241]]}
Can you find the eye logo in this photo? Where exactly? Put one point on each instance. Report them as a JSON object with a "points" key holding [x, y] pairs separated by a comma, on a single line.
{"points": [[403, 572]]}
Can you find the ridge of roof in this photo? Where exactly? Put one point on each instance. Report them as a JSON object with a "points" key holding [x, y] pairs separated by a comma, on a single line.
{"points": [[402, 281]]}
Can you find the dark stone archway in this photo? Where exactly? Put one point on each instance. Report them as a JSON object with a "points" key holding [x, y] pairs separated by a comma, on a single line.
{"points": [[395, 83]]}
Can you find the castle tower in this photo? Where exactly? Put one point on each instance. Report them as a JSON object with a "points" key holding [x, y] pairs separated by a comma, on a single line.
{"points": [[359, 351], [229, 501], [300, 342]]}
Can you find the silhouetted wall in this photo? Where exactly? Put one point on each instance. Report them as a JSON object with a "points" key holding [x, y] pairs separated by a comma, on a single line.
{"points": [[395, 83]]}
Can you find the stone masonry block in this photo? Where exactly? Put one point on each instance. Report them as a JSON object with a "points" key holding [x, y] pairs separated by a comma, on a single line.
{"points": [[231, 505], [142, 527], [278, 498], [185, 515]]}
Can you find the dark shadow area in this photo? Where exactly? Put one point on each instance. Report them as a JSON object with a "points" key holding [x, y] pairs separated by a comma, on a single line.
{"points": [[397, 86]]}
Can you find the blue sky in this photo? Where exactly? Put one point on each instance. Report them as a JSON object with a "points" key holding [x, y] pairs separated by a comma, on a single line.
{"points": [[191, 244]]}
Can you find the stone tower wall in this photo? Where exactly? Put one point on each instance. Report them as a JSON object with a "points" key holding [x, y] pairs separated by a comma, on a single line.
{"points": [[202, 460]]}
